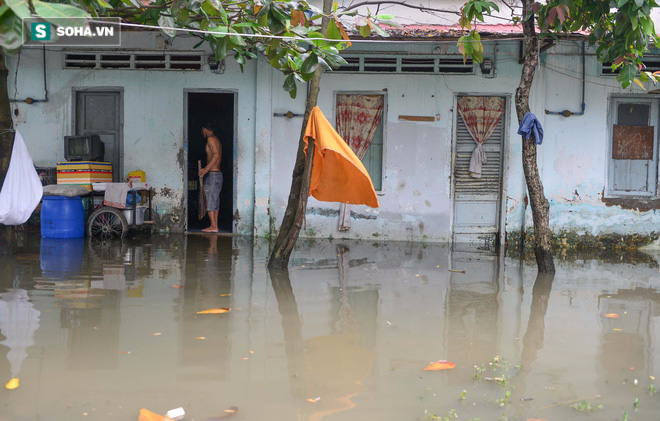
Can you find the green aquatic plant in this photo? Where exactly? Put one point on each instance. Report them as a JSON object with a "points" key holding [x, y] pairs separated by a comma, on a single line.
{"points": [[505, 400], [463, 393], [585, 406], [451, 415], [478, 371]]}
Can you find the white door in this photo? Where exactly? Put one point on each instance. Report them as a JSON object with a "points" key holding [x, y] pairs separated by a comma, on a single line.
{"points": [[477, 200]]}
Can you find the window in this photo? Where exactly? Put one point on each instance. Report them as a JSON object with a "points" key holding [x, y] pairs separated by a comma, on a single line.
{"points": [[146, 61], [633, 157], [373, 158], [359, 121], [393, 63]]}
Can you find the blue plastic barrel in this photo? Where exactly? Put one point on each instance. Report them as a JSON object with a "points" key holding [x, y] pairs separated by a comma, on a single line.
{"points": [[61, 257], [62, 217]]}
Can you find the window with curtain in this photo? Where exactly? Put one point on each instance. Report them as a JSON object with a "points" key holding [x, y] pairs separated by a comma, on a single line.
{"points": [[373, 158], [372, 105]]}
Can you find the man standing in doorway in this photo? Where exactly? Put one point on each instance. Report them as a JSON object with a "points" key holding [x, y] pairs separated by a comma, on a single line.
{"points": [[212, 176]]}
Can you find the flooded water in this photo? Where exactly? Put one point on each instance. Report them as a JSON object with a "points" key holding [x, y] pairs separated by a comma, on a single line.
{"points": [[97, 331]]}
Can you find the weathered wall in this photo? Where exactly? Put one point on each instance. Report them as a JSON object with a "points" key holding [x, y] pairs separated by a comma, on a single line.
{"points": [[154, 120], [415, 199], [415, 202], [573, 158]]}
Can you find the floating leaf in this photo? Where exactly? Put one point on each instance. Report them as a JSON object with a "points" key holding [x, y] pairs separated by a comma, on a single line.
{"points": [[214, 311], [201, 337], [12, 384], [156, 334], [612, 315], [440, 365], [176, 286], [225, 295], [314, 400], [146, 415]]}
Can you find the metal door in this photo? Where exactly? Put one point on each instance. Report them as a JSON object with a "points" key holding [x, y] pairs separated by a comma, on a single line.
{"points": [[99, 112], [477, 200]]}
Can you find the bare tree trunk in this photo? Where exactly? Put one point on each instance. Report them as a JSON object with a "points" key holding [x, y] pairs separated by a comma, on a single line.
{"points": [[7, 232], [302, 172], [538, 202]]}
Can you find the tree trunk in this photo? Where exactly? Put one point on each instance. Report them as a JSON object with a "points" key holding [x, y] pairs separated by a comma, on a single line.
{"points": [[302, 172], [538, 202], [7, 232]]}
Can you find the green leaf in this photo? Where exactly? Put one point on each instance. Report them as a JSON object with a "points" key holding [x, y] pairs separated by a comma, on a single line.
{"points": [[310, 64], [384, 17], [333, 30], [166, 22], [53, 11], [380, 31], [324, 64], [222, 48], [237, 39], [621, 3], [276, 25], [239, 58], [365, 31], [290, 85], [19, 7], [11, 35]]}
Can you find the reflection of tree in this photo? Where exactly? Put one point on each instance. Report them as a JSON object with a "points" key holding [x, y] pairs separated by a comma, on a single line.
{"points": [[331, 366], [533, 339], [293, 342]]}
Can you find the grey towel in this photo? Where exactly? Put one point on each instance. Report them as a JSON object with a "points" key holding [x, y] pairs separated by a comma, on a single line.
{"points": [[115, 195]]}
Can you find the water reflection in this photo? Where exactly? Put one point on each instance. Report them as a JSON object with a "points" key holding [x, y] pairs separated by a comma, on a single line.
{"points": [[19, 320], [103, 329]]}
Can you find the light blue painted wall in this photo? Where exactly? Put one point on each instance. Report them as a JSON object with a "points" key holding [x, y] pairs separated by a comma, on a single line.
{"points": [[153, 119], [416, 195]]}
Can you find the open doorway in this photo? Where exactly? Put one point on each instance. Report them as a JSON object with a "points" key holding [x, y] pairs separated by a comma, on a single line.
{"points": [[218, 109]]}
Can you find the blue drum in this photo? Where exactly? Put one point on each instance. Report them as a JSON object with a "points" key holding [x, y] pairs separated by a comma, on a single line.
{"points": [[62, 217]]}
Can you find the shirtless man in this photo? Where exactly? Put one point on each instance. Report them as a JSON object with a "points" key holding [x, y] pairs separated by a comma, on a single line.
{"points": [[212, 176]]}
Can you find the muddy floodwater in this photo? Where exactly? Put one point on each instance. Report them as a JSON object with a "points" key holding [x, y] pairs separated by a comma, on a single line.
{"points": [[96, 331]]}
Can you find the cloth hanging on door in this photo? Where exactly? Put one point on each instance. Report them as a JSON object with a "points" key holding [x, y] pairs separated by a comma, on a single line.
{"points": [[22, 190], [481, 115], [337, 174], [358, 117]]}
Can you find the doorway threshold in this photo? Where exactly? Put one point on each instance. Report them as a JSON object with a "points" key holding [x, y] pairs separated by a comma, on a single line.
{"points": [[220, 233]]}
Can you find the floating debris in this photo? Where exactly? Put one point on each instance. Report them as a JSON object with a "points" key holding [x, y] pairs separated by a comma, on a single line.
{"points": [[214, 311], [440, 365], [12, 384]]}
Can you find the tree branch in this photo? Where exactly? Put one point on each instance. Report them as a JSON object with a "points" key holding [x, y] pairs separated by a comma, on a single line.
{"points": [[400, 3]]}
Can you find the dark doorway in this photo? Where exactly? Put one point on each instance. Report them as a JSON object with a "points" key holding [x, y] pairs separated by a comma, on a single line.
{"points": [[217, 109]]}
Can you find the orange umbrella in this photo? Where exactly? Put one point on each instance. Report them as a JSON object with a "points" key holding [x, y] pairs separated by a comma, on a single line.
{"points": [[337, 175]]}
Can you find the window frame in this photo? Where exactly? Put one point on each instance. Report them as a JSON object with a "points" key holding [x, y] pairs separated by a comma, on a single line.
{"points": [[383, 121], [654, 117]]}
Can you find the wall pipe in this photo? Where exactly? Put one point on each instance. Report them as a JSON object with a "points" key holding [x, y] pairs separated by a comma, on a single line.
{"points": [[567, 113], [29, 100]]}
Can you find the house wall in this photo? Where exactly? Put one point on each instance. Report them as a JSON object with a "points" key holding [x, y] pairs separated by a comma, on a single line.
{"points": [[153, 118], [416, 202], [573, 158]]}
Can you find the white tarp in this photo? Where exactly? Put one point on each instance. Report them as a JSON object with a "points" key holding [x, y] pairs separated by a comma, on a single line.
{"points": [[22, 189]]}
